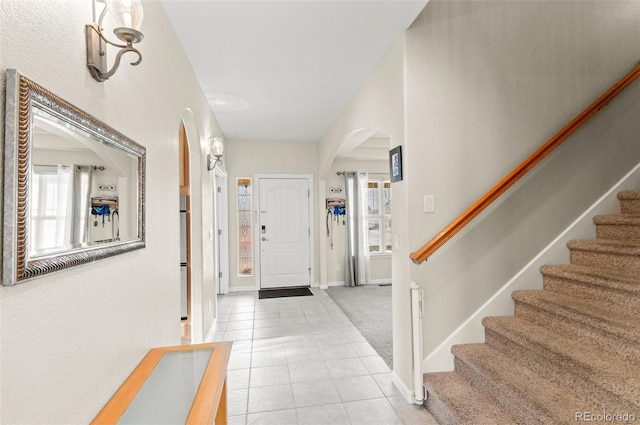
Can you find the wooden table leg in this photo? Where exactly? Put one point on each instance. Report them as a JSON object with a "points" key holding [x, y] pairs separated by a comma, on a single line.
{"points": [[221, 414]]}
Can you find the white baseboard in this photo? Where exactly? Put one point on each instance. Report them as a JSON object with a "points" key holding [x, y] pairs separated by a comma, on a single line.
{"points": [[405, 392], [243, 288], [255, 288], [371, 282], [501, 303], [379, 281]]}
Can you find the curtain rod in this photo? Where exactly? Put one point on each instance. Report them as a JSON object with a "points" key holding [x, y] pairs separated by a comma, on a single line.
{"points": [[94, 167], [362, 172]]}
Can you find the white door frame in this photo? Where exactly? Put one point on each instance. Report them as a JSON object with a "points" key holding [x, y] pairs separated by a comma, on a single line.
{"points": [[221, 222], [256, 230]]}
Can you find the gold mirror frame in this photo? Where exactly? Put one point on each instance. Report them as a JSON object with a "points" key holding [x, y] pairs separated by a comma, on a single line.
{"points": [[22, 95]]}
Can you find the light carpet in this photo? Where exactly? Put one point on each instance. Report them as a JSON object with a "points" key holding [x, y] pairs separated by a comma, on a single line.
{"points": [[369, 309]]}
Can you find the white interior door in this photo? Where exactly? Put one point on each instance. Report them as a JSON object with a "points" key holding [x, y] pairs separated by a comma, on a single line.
{"points": [[284, 232]]}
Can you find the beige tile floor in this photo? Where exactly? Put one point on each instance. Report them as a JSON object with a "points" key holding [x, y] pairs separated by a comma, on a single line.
{"points": [[300, 361]]}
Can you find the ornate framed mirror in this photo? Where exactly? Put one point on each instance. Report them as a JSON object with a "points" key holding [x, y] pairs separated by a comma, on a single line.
{"points": [[74, 188]]}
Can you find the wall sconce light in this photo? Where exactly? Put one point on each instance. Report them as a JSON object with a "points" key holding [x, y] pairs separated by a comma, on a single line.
{"points": [[128, 16], [216, 149]]}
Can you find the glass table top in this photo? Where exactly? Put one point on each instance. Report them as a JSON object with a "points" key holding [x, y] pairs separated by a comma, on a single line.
{"points": [[167, 395]]}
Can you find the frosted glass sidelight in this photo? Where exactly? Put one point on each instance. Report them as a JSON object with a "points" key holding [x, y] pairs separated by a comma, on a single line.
{"points": [[245, 233]]}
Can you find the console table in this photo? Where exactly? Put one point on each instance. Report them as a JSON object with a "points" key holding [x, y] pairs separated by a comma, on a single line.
{"points": [[173, 385]]}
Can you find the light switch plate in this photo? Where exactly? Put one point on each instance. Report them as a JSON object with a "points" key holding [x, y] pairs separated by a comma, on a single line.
{"points": [[429, 204]]}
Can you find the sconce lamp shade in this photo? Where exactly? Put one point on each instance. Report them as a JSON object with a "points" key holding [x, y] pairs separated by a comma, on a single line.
{"points": [[126, 13], [217, 148], [128, 16]]}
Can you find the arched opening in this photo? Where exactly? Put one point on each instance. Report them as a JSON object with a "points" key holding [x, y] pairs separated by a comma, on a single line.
{"points": [[185, 239], [363, 150], [201, 284]]}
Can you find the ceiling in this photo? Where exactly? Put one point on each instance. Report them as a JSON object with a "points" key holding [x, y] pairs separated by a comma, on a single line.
{"points": [[284, 70]]}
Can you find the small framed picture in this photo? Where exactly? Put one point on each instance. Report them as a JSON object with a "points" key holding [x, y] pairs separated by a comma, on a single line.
{"points": [[395, 163]]}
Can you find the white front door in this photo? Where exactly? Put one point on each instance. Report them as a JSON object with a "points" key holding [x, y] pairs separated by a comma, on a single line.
{"points": [[284, 232]]}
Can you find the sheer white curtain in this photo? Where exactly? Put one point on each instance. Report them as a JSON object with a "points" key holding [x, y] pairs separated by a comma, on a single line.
{"points": [[64, 226], [82, 178], [357, 261]]}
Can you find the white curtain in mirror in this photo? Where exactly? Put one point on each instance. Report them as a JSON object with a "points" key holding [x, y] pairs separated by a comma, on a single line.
{"points": [[358, 261], [64, 228], [82, 175]]}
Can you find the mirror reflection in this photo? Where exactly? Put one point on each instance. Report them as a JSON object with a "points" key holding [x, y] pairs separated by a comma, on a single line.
{"points": [[82, 191]]}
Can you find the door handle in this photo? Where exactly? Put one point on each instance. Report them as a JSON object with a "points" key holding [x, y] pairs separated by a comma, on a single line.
{"points": [[265, 239]]}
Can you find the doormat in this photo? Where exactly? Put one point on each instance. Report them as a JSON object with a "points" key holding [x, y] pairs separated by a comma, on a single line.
{"points": [[287, 292]]}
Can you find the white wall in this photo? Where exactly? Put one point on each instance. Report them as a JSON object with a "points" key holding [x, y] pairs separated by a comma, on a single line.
{"points": [[245, 159], [69, 339], [487, 84], [379, 106]]}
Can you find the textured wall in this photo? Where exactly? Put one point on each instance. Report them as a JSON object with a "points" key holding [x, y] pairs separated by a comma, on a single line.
{"points": [[69, 339]]}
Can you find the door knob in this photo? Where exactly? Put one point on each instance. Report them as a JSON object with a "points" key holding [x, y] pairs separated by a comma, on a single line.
{"points": [[264, 239]]}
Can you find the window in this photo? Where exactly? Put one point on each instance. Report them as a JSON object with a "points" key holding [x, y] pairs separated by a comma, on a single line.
{"points": [[245, 235], [379, 196], [45, 210], [60, 208]]}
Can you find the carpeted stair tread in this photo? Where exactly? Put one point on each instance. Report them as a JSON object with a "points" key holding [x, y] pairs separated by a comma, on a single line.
{"points": [[618, 323], [623, 227], [623, 256], [574, 360], [606, 287], [452, 401], [628, 195], [627, 219], [606, 245], [529, 397], [629, 202], [594, 276]]}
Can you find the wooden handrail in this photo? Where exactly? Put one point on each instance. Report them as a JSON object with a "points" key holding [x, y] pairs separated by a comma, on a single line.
{"points": [[459, 223]]}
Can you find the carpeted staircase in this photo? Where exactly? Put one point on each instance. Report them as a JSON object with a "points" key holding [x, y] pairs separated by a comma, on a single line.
{"points": [[570, 354]]}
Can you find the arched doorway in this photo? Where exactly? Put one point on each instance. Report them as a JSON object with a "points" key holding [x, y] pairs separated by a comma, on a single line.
{"points": [[185, 236], [191, 170], [363, 150], [200, 240]]}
